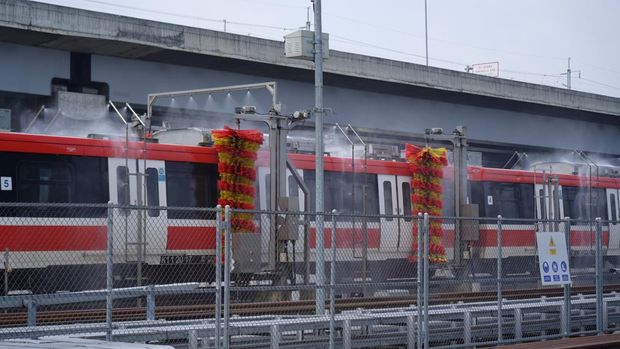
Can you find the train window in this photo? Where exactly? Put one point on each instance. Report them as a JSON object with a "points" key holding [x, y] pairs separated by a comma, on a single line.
{"points": [[477, 197], [44, 182], [612, 202], [346, 195], [448, 209], [190, 185], [152, 190], [122, 187], [387, 199], [511, 200], [406, 190], [583, 203], [46, 178]]}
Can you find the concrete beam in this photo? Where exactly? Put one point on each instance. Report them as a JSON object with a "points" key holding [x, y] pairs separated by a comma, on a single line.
{"points": [[86, 31]]}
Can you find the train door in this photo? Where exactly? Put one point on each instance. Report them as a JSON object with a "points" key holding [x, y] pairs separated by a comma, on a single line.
{"points": [[137, 229], [155, 221], [395, 199], [388, 205], [613, 214], [123, 192], [405, 209]]}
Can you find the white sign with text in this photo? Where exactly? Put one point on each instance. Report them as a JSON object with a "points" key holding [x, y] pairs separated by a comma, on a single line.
{"points": [[552, 258]]}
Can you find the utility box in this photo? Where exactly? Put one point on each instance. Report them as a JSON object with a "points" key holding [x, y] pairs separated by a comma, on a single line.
{"points": [[300, 45], [246, 252], [470, 228]]}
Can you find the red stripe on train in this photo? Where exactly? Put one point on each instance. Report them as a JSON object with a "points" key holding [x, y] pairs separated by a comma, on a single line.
{"points": [[22, 238], [527, 238], [191, 238], [347, 238]]}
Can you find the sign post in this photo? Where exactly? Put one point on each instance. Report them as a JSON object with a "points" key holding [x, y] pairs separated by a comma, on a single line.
{"points": [[553, 258]]}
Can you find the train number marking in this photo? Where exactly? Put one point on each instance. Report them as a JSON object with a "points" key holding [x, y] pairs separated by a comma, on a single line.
{"points": [[6, 183]]}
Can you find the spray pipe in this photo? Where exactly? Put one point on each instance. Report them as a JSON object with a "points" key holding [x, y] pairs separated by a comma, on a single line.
{"points": [[36, 116], [117, 112]]}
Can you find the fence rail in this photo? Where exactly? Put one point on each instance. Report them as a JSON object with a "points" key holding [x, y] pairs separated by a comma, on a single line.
{"points": [[232, 278]]}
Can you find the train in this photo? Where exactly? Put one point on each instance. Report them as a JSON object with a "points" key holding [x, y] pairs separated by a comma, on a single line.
{"points": [[63, 248]]}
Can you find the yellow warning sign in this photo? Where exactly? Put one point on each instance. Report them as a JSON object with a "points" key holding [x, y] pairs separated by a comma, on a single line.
{"points": [[552, 250]]}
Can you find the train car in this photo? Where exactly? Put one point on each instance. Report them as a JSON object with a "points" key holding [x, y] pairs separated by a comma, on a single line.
{"points": [[44, 247]]}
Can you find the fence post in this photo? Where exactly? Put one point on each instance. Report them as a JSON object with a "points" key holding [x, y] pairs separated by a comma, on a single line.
{"points": [[109, 271], [227, 258], [332, 284], [599, 276], [150, 302], [419, 282], [426, 279], [567, 287], [218, 276], [500, 336]]}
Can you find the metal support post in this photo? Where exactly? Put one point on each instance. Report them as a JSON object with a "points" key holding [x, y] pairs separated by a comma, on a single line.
{"points": [[275, 336], [192, 340], [218, 276], [599, 276], [567, 287], [426, 278], [346, 334], [419, 281], [318, 112], [518, 316], [31, 305], [332, 284], [411, 332], [150, 303], [109, 272], [227, 258], [499, 280], [467, 328]]}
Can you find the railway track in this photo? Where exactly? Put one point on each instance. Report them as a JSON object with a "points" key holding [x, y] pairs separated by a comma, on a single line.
{"points": [[185, 312]]}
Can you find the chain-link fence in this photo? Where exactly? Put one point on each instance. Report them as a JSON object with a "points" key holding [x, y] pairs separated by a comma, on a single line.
{"points": [[232, 278]]}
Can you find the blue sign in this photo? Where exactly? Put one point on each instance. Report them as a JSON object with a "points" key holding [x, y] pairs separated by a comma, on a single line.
{"points": [[546, 267], [556, 277], [547, 278], [565, 277], [554, 266], [563, 266]]}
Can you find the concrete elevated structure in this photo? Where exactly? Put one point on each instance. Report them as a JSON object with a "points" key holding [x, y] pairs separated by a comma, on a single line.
{"points": [[46, 46]]}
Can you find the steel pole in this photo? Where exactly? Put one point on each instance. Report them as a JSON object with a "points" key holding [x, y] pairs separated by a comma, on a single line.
{"points": [[426, 277], [426, 29], [318, 112], [419, 281], [218, 276], [567, 287], [109, 271], [499, 280], [227, 258], [599, 276], [332, 284]]}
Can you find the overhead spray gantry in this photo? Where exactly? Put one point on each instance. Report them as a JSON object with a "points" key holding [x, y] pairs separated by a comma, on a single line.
{"points": [[281, 231], [270, 86]]}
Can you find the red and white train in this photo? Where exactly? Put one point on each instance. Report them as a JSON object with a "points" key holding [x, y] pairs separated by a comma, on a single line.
{"points": [[63, 248]]}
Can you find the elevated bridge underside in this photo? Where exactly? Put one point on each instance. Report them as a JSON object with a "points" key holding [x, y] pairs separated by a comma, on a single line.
{"points": [[46, 48]]}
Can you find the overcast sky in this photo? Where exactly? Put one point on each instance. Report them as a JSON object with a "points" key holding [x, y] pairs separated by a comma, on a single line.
{"points": [[531, 39]]}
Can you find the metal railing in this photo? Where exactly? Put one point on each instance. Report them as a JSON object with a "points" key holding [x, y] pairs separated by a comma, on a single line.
{"points": [[167, 273]]}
